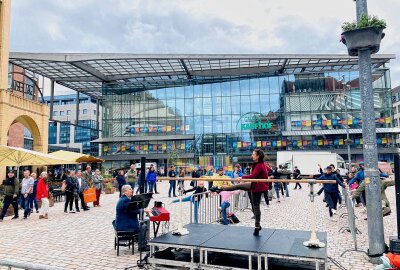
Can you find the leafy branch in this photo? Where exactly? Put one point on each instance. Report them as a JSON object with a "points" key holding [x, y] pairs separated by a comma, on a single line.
{"points": [[366, 21]]}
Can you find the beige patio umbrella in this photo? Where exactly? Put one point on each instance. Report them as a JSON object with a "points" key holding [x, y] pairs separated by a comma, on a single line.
{"points": [[15, 156], [77, 157]]}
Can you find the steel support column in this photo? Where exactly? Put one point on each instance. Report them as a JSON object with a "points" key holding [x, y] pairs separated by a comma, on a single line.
{"points": [[97, 113], [51, 100], [77, 109]]}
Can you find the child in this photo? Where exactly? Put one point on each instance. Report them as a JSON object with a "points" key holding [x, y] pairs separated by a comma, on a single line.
{"points": [[225, 203], [195, 199]]}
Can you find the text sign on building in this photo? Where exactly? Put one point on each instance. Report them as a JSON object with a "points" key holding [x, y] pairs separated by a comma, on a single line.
{"points": [[253, 121]]}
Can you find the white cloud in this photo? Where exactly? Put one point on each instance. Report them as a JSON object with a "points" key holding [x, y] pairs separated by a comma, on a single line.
{"points": [[193, 26]]}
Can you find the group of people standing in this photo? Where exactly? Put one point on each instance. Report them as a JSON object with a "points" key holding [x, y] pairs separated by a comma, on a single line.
{"points": [[76, 184], [32, 191]]}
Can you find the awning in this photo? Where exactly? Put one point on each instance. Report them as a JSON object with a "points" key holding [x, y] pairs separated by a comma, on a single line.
{"points": [[15, 156], [145, 138], [76, 157], [335, 132]]}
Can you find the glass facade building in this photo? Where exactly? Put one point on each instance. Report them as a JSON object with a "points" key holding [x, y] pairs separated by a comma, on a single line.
{"points": [[215, 108], [220, 120]]}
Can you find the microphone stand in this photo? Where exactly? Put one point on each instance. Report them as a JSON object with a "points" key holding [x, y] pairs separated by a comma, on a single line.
{"points": [[141, 201]]}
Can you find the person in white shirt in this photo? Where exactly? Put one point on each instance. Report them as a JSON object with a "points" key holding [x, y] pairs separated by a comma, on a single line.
{"points": [[82, 186], [26, 193]]}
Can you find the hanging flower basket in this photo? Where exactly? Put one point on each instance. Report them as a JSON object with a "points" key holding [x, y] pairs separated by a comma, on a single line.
{"points": [[363, 38]]}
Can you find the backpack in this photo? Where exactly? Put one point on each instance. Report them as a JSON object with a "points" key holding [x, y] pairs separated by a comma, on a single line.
{"points": [[233, 218]]}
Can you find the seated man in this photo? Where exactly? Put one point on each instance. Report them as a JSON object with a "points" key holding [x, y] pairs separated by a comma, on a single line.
{"points": [[126, 217]]}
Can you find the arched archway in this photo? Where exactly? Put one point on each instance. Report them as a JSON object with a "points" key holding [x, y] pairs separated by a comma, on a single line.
{"points": [[29, 123]]}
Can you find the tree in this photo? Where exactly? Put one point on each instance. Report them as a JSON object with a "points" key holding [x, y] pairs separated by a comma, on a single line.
{"points": [[173, 157]]}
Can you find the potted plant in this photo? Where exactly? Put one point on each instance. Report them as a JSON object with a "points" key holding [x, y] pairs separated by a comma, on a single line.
{"points": [[365, 34], [109, 188]]}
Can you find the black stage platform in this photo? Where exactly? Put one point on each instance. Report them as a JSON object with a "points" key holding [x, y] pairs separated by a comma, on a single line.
{"points": [[211, 246]]}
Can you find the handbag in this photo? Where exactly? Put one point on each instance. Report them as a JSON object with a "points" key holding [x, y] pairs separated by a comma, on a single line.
{"points": [[63, 186], [89, 195]]}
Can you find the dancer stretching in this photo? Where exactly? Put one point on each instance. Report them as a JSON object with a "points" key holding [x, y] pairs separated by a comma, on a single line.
{"points": [[258, 171], [194, 199]]}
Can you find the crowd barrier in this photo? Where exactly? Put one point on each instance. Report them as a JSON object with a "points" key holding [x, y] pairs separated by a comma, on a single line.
{"points": [[205, 206]]}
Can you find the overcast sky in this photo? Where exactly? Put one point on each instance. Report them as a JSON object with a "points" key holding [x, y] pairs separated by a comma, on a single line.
{"points": [[194, 26]]}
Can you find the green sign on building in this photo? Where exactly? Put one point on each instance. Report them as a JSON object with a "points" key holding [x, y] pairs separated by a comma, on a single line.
{"points": [[253, 121]]}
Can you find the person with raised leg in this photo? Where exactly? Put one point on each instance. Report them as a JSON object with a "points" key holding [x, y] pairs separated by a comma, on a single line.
{"points": [[258, 171]]}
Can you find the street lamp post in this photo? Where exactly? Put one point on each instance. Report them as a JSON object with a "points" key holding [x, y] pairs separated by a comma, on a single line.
{"points": [[376, 241]]}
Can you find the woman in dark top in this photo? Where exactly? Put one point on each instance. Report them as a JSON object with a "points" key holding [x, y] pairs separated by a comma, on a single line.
{"points": [[258, 171], [121, 181]]}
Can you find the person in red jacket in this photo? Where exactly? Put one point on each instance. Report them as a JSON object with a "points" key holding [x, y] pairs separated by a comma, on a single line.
{"points": [[42, 194], [258, 171]]}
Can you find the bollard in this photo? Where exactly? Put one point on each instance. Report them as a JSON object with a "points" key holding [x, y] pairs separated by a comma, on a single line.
{"points": [[314, 241]]}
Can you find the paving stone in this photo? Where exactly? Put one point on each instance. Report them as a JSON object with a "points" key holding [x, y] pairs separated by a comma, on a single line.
{"points": [[85, 240]]}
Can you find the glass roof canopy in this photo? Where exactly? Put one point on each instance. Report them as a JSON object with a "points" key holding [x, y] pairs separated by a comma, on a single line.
{"points": [[87, 72]]}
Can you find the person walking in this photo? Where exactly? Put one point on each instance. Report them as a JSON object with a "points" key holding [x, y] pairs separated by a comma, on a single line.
{"points": [[172, 183], [42, 194], [151, 178], [26, 193], [297, 176], [82, 186], [258, 171], [98, 184], [11, 189], [121, 181], [34, 201], [70, 189], [331, 190]]}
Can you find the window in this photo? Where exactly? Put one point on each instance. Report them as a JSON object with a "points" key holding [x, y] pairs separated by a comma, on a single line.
{"points": [[65, 133], [68, 112], [55, 113], [94, 112], [84, 111], [52, 133], [61, 113]]}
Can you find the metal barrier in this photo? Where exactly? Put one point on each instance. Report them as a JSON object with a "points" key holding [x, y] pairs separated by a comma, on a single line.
{"points": [[351, 220], [10, 264], [208, 206], [204, 208]]}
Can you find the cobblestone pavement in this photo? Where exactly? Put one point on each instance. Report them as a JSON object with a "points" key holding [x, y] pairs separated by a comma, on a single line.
{"points": [[85, 240]]}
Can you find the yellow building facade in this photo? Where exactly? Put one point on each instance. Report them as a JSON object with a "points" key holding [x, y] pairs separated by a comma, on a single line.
{"points": [[14, 108]]}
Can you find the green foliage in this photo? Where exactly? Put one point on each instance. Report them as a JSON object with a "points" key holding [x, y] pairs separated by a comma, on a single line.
{"points": [[366, 21], [109, 186], [173, 157]]}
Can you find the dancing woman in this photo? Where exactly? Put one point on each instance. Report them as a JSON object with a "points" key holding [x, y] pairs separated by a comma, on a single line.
{"points": [[258, 171]]}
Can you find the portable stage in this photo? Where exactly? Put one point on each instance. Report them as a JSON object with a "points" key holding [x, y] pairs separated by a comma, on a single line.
{"points": [[211, 246]]}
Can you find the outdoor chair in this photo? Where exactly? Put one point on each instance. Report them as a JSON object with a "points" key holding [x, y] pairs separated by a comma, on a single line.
{"points": [[125, 239]]}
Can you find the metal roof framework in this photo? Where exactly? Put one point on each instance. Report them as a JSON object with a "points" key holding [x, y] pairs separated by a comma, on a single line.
{"points": [[88, 72]]}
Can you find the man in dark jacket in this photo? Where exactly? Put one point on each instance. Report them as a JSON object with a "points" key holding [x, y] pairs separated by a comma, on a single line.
{"points": [[172, 183], [126, 217], [296, 176], [11, 189], [331, 190]]}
